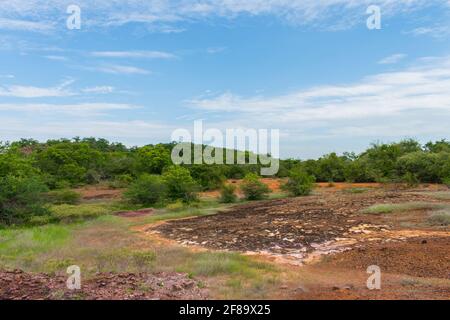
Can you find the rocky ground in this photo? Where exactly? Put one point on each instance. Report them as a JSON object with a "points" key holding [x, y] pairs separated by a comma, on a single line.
{"points": [[18, 285], [279, 226]]}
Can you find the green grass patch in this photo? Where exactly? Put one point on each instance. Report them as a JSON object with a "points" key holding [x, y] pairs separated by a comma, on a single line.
{"points": [[19, 247], [356, 190], [86, 211], [440, 218], [402, 207], [440, 195], [226, 263]]}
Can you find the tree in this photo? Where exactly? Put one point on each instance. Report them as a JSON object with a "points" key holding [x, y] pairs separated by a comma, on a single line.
{"points": [[153, 159], [253, 188], [210, 177], [21, 198], [180, 184], [299, 183], [147, 190]]}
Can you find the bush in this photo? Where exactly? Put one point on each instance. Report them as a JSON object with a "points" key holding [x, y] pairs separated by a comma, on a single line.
{"points": [[147, 190], [446, 181], [440, 218], [299, 183], [180, 184], [64, 197], [253, 188], [121, 181], [411, 180], [21, 199], [228, 193]]}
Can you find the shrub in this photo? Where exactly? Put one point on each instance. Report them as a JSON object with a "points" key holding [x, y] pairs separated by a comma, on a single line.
{"points": [[253, 188], [180, 184], [64, 197], [176, 206], [147, 190], [121, 181], [411, 180], [440, 218], [21, 199], [299, 183], [446, 181], [228, 193]]}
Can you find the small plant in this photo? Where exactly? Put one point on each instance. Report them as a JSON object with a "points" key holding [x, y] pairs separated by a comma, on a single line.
{"points": [[121, 181], [228, 194], [411, 180], [147, 190], [446, 181], [356, 190], [440, 218], [299, 183], [253, 188], [65, 196], [176, 206]]}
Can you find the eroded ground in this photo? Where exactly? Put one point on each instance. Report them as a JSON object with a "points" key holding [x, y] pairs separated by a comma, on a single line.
{"points": [[293, 227], [329, 233]]}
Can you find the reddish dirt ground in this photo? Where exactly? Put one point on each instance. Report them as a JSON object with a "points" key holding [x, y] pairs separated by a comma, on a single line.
{"points": [[18, 285], [134, 214]]}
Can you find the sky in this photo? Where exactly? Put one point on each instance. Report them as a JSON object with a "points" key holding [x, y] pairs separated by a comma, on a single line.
{"points": [[136, 70]]}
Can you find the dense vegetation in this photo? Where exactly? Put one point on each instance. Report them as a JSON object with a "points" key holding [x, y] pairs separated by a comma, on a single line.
{"points": [[29, 168]]}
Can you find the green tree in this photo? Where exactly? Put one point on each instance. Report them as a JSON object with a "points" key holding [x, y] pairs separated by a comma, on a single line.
{"points": [[299, 183], [153, 159], [147, 190], [180, 184], [21, 198], [253, 188]]}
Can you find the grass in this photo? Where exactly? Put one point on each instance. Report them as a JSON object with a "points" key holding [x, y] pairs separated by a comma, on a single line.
{"points": [[97, 241], [440, 218], [68, 213], [440, 195], [356, 190], [19, 247], [402, 207]]}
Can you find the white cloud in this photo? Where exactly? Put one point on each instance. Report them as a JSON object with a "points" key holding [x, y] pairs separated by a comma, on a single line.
{"points": [[134, 54], [405, 96], [436, 31], [119, 69], [20, 91], [78, 110], [395, 58], [56, 58], [332, 13], [13, 24], [7, 76], [99, 90]]}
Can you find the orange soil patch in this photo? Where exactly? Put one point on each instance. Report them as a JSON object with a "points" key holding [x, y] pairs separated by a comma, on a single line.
{"points": [[99, 192]]}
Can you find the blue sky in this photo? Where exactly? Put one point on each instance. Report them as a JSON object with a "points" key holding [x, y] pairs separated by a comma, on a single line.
{"points": [[137, 70]]}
